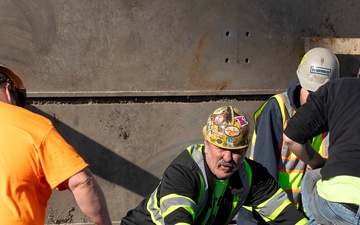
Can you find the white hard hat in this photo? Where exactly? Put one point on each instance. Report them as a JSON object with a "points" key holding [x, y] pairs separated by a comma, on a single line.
{"points": [[318, 66]]}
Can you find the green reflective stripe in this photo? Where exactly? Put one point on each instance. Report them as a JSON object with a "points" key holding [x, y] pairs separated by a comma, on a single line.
{"points": [[196, 154], [252, 147], [182, 223], [172, 202], [303, 221], [239, 198], [253, 139], [154, 210], [235, 203], [178, 201], [317, 141], [203, 190], [290, 180], [285, 107], [290, 183], [285, 114], [248, 173], [197, 157], [208, 213], [281, 98], [273, 206], [321, 143], [291, 168], [173, 208], [246, 178]]}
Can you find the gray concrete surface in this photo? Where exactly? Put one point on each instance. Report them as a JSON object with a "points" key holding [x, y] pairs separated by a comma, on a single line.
{"points": [[128, 147]]}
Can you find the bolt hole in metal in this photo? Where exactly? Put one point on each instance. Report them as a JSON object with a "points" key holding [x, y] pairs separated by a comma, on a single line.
{"points": [[247, 60], [247, 34]]}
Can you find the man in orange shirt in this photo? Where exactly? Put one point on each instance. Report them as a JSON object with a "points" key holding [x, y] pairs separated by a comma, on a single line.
{"points": [[34, 159]]}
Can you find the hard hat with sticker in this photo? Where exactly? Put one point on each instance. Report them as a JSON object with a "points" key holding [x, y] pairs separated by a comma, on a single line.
{"points": [[317, 67], [227, 128]]}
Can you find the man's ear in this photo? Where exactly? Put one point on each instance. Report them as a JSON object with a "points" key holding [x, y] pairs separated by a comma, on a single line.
{"points": [[10, 98], [206, 146], [206, 143]]}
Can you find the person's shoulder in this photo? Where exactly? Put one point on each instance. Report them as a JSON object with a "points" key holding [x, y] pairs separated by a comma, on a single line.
{"points": [[31, 121], [352, 81], [269, 106], [273, 101], [35, 117], [185, 158], [345, 86], [254, 165], [183, 166], [258, 171]]}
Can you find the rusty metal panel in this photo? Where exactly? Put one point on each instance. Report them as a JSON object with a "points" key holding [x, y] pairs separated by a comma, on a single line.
{"points": [[126, 47], [133, 47], [343, 46], [118, 48], [128, 146]]}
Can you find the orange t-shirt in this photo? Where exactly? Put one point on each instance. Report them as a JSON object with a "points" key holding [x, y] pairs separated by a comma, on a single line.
{"points": [[34, 159]]}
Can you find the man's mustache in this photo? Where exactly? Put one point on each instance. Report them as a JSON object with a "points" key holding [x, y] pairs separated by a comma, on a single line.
{"points": [[221, 162]]}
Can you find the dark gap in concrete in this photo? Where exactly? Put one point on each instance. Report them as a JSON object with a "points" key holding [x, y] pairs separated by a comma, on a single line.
{"points": [[143, 99]]}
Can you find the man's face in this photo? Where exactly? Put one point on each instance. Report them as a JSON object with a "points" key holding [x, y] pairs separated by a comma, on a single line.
{"points": [[223, 162]]}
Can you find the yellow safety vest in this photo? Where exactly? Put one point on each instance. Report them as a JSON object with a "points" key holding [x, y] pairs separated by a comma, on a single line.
{"points": [[290, 168]]}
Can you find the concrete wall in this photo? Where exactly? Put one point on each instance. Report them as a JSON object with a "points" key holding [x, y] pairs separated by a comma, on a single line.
{"points": [[130, 83]]}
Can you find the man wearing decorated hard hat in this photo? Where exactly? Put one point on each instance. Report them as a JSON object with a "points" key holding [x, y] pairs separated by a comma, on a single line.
{"points": [[34, 159], [209, 182]]}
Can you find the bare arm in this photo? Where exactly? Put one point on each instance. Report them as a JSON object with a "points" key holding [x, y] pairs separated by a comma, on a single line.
{"points": [[305, 152], [89, 197]]}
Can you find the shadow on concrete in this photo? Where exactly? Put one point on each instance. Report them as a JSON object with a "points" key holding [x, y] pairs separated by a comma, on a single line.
{"points": [[103, 162]]}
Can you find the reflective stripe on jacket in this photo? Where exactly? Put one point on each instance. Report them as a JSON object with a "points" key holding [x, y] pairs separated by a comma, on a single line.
{"points": [[190, 194], [269, 209], [290, 167], [173, 202]]}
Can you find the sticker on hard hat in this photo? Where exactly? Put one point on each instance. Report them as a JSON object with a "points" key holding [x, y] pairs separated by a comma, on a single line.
{"points": [[217, 132], [230, 140], [242, 120], [232, 131], [320, 70], [219, 119]]}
